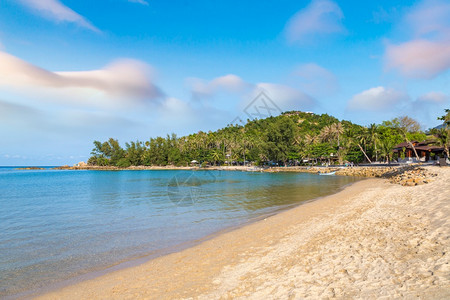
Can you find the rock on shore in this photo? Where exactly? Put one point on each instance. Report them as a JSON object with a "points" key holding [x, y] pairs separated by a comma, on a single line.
{"points": [[409, 175], [413, 177]]}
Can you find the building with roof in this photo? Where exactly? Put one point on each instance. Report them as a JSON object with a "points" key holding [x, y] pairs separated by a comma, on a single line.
{"points": [[425, 150]]}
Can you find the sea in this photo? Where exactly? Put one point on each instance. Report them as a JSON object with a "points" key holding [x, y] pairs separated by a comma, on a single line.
{"points": [[59, 226]]}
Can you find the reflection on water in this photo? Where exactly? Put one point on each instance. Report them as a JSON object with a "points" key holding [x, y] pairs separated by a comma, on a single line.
{"points": [[55, 225]]}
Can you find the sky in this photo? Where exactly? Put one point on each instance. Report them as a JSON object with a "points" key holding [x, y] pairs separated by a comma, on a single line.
{"points": [[75, 71]]}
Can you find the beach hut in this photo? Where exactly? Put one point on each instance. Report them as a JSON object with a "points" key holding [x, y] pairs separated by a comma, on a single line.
{"points": [[425, 150]]}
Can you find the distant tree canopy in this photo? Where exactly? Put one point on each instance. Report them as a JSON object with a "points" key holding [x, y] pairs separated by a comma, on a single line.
{"points": [[293, 137]]}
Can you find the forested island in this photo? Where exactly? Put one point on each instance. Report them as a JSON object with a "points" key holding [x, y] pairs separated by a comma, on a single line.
{"points": [[292, 138]]}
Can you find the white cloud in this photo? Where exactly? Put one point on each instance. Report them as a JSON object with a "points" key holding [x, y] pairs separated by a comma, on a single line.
{"points": [[37, 125], [427, 54], [434, 98], [174, 106], [139, 1], [419, 58], [286, 97], [122, 79], [377, 99], [429, 17], [319, 17], [55, 10], [316, 80], [229, 83]]}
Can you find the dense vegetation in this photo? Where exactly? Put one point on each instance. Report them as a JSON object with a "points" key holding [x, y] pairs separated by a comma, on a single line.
{"points": [[291, 138]]}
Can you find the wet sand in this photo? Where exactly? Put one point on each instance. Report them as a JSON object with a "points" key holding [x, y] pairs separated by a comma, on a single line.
{"points": [[372, 240]]}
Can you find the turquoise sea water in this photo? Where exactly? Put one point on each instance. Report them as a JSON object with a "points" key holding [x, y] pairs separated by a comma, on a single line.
{"points": [[56, 225]]}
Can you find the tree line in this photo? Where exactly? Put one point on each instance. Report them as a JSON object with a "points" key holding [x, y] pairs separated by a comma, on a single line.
{"points": [[292, 138]]}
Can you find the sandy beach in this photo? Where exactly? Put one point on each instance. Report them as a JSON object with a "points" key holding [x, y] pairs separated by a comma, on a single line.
{"points": [[374, 239]]}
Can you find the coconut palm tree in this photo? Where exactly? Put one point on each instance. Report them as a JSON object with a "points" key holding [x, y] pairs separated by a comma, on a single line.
{"points": [[358, 138], [386, 146], [327, 134], [442, 138], [216, 156], [374, 138], [337, 129], [310, 139]]}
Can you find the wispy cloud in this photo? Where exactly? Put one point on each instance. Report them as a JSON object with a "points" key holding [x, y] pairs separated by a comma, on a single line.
{"points": [[285, 96], [377, 99], [57, 11], [419, 58], [320, 17], [429, 17], [139, 1], [315, 80], [206, 89], [427, 54], [427, 107], [382, 15], [12, 113], [434, 98], [58, 122], [123, 78], [67, 131]]}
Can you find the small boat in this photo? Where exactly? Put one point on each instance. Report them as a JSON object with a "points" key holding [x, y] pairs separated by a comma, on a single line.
{"points": [[254, 169], [329, 173]]}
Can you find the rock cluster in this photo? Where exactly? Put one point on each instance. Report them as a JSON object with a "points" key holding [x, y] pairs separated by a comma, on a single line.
{"points": [[412, 177], [409, 175], [366, 171], [347, 171]]}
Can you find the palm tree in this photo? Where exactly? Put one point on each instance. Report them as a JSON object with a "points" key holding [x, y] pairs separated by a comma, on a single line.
{"points": [[310, 139], [358, 139], [443, 134], [326, 134], [374, 137], [442, 138], [337, 129], [333, 133], [386, 146], [362, 138], [216, 155]]}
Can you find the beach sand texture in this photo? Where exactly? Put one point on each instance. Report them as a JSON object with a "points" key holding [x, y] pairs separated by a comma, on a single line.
{"points": [[372, 240]]}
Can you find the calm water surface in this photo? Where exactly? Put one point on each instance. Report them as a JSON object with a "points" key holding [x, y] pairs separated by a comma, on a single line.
{"points": [[56, 225]]}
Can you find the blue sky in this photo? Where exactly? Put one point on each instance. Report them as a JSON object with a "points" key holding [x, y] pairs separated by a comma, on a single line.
{"points": [[76, 71]]}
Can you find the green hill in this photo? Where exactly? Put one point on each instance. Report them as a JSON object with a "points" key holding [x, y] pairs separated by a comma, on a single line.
{"points": [[293, 137]]}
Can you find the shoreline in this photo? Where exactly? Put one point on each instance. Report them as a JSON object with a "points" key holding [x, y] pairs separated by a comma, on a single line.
{"points": [[136, 261], [235, 263], [380, 170]]}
